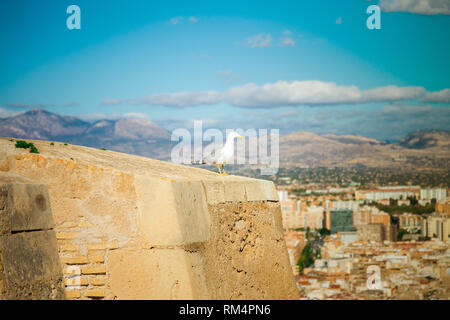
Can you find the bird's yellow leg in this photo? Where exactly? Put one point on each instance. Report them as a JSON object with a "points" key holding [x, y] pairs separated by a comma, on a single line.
{"points": [[218, 167], [223, 171]]}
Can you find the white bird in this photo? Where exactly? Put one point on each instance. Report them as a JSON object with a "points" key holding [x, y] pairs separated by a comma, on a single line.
{"points": [[225, 154]]}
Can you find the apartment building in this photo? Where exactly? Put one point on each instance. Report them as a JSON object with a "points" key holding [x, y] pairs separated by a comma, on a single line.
{"points": [[437, 226], [440, 194]]}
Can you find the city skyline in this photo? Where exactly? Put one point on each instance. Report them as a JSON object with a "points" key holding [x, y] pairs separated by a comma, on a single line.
{"points": [[227, 151]]}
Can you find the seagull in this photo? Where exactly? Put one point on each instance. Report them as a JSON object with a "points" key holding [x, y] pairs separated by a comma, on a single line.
{"points": [[225, 154]]}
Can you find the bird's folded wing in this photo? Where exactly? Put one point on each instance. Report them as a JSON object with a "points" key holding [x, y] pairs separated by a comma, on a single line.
{"points": [[209, 158]]}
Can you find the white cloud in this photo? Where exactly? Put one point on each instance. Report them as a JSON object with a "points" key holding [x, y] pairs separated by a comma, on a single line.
{"points": [[21, 105], [438, 96], [5, 113], [175, 20], [264, 40], [260, 41], [109, 102], [289, 93], [18, 105], [418, 116], [425, 7], [284, 93], [403, 110], [93, 116], [29, 105], [392, 93], [135, 115], [181, 99], [115, 116], [287, 42], [395, 121]]}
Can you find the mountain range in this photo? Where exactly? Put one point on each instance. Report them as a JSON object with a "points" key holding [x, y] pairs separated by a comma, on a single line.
{"points": [[128, 135], [420, 149]]}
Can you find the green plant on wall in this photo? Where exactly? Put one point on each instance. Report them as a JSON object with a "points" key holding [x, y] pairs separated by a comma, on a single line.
{"points": [[25, 145]]}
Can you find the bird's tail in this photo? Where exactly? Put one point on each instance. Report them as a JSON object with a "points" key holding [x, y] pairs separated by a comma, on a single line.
{"points": [[198, 162]]}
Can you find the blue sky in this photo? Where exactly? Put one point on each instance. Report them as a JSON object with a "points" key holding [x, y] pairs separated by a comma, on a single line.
{"points": [[293, 65]]}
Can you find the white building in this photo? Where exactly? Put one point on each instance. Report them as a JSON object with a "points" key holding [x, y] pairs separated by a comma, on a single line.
{"points": [[386, 195], [341, 205], [283, 195], [440, 194]]}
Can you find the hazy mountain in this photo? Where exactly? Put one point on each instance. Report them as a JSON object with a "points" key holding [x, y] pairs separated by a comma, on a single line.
{"points": [[424, 139], [420, 149], [312, 150], [41, 124], [353, 139], [135, 136]]}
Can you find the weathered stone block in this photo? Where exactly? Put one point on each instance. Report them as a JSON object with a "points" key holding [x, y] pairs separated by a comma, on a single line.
{"points": [[173, 213], [95, 293], [25, 204], [261, 190], [76, 281], [29, 261], [31, 267], [75, 260], [98, 281], [97, 258], [157, 274], [96, 269], [73, 294]]}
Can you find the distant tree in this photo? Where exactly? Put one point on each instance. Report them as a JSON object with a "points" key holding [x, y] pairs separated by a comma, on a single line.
{"points": [[401, 233], [433, 202], [416, 209], [306, 259], [324, 232], [413, 200]]}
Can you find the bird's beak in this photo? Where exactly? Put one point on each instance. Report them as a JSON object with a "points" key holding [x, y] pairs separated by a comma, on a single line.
{"points": [[240, 137]]}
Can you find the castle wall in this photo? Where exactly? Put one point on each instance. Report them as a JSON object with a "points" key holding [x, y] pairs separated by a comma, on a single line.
{"points": [[29, 261], [129, 227]]}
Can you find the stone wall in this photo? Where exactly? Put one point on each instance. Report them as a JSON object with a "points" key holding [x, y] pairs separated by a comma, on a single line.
{"points": [[130, 227], [29, 261]]}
